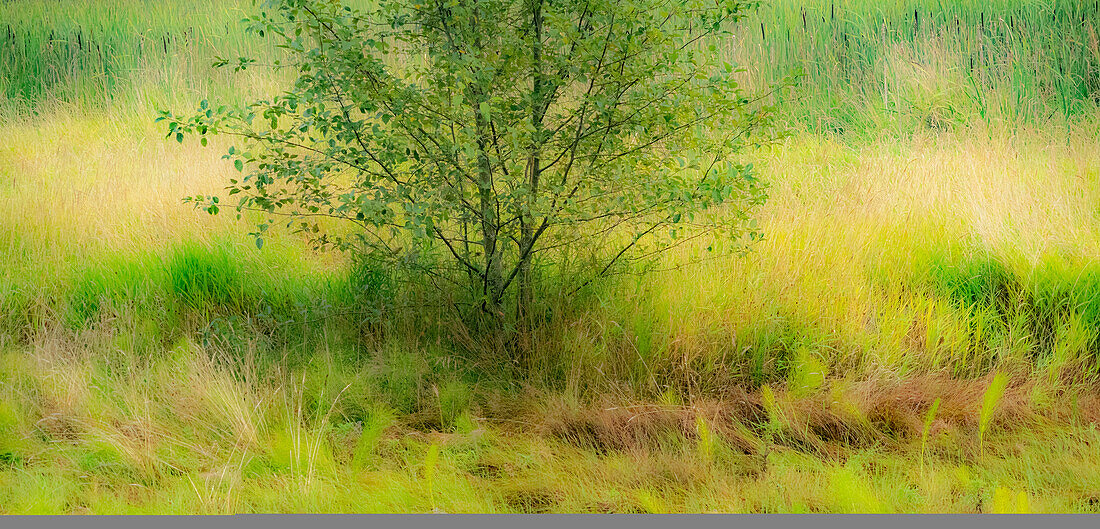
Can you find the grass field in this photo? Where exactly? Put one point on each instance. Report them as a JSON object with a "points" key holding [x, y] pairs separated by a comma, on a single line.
{"points": [[919, 331]]}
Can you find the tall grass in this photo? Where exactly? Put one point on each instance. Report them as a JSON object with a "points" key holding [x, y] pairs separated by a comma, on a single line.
{"points": [[872, 66], [120, 54], [865, 66]]}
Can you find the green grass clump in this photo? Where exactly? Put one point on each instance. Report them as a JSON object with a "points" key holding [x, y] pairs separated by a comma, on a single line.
{"points": [[16, 299], [851, 492], [206, 276], [193, 275], [373, 427], [1065, 304], [975, 282], [400, 377], [454, 399], [105, 459], [40, 491], [11, 436], [1045, 315], [109, 285], [808, 373]]}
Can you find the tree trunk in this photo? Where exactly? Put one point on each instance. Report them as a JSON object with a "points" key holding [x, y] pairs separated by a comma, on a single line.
{"points": [[534, 170], [493, 281], [493, 284]]}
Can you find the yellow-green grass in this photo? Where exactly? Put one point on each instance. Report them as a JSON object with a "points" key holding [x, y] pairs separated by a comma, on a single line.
{"points": [[875, 271], [936, 252], [890, 258], [184, 432]]}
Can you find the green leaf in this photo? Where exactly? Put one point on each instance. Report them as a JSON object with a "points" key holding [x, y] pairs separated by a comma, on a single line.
{"points": [[259, 243], [239, 165]]}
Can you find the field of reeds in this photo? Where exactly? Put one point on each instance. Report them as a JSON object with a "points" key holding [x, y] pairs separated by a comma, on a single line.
{"points": [[919, 330], [893, 66]]}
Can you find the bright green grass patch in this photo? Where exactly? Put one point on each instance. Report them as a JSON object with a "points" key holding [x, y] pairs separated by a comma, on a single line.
{"points": [[1047, 315], [110, 283], [211, 280], [206, 276]]}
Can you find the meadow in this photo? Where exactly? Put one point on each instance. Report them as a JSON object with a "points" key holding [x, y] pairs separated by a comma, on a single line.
{"points": [[919, 330]]}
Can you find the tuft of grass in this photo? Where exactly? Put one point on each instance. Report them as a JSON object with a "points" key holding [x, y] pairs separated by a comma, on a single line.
{"points": [[1007, 502], [203, 276], [705, 444], [431, 459], [808, 374], [453, 398], [373, 428], [650, 502], [990, 399], [109, 285], [928, 418], [851, 493], [12, 446], [399, 376]]}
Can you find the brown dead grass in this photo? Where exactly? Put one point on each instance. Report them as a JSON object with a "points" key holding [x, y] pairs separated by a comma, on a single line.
{"points": [[885, 412]]}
